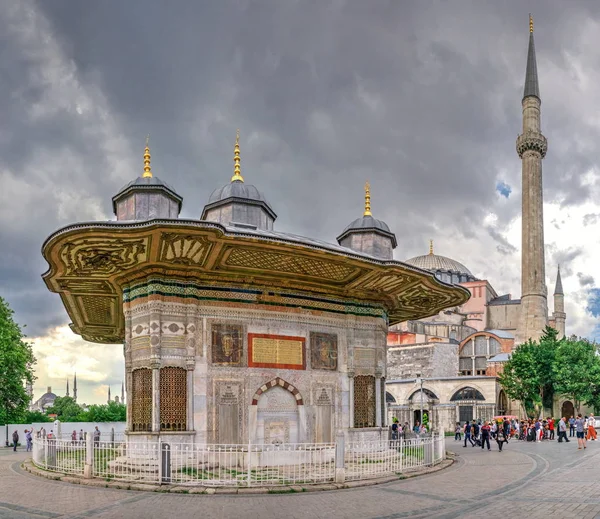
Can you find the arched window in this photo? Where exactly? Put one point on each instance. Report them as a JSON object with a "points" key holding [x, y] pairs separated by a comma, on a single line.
{"points": [[467, 393], [389, 398], [427, 394], [475, 354]]}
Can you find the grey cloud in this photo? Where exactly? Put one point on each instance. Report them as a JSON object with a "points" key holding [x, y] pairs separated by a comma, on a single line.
{"points": [[591, 219], [585, 280], [422, 99]]}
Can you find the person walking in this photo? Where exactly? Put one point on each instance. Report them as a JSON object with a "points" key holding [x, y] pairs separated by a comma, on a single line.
{"points": [[468, 434], [395, 429], [571, 426], [551, 427], [579, 430], [591, 432], [81, 435], [457, 431], [500, 438], [15, 439], [96, 437], [485, 435], [562, 430]]}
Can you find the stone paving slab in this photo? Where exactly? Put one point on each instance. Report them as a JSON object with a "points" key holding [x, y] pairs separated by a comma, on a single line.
{"points": [[534, 480]]}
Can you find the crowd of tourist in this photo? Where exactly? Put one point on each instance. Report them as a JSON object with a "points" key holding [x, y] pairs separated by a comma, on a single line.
{"points": [[502, 429]]}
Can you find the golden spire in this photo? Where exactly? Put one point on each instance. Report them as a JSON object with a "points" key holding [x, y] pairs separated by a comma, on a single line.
{"points": [[237, 175], [530, 23], [367, 200], [147, 170], [431, 247]]}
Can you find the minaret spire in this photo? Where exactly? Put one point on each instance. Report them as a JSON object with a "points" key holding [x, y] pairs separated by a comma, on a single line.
{"points": [[237, 172], [367, 200], [531, 148], [75, 387], [108, 401], [67, 387], [532, 87], [147, 171], [431, 247]]}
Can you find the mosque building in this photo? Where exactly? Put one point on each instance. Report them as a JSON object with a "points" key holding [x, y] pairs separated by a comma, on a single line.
{"points": [[447, 365], [234, 332]]}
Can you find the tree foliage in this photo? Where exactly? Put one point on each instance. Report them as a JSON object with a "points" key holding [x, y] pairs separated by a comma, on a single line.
{"points": [[67, 410], [537, 370], [29, 417], [16, 367]]}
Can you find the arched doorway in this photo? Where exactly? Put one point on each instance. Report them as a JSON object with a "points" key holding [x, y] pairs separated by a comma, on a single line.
{"points": [[277, 415], [467, 400], [427, 399], [567, 410], [502, 405]]}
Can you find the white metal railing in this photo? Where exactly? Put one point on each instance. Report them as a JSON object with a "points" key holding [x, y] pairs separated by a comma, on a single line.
{"points": [[237, 465]]}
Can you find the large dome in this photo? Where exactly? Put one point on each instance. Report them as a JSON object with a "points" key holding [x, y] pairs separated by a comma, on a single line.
{"points": [[434, 262]]}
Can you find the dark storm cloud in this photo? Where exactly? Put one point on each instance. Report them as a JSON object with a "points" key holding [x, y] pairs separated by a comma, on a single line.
{"points": [[420, 98]]}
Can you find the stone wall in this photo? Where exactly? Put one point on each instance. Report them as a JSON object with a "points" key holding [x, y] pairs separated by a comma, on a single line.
{"points": [[438, 359]]}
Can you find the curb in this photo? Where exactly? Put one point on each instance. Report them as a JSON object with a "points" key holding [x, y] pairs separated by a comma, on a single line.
{"points": [[182, 489]]}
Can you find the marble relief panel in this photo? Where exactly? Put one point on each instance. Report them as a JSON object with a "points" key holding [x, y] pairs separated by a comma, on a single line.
{"points": [[324, 351], [227, 344]]}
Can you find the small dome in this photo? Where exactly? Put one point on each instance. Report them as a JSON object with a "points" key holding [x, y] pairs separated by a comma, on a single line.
{"points": [[434, 262], [367, 222], [236, 189], [146, 181]]}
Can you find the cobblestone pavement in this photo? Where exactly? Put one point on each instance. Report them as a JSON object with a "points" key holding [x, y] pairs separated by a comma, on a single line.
{"points": [[531, 480]]}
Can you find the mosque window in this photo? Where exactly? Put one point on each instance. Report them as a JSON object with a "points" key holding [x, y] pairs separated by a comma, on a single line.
{"points": [[364, 401], [141, 408], [475, 354], [173, 399], [467, 393]]}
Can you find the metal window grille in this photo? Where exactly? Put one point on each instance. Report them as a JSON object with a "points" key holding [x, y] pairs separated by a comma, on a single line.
{"points": [[141, 415], [173, 399], [364, 401]]}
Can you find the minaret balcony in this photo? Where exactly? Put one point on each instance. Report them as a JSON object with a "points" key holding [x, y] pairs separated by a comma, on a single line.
{"points": [[532, 140]]}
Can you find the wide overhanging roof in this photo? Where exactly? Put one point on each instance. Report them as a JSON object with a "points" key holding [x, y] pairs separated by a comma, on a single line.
{"points": [[91, 262]]}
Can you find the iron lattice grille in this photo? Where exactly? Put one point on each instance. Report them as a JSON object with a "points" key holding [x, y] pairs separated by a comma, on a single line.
{"points": [[173, 399], [141, 408], [364, 401]]}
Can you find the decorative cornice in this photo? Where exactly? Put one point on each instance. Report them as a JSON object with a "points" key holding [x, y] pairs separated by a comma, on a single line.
{"points": [[532, 141]]}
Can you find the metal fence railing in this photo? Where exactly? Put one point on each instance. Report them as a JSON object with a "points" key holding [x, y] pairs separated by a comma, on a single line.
{"points": [[237, 465]]}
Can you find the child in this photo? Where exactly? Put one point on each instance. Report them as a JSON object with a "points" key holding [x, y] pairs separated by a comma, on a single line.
{"points": [[457, 431]]}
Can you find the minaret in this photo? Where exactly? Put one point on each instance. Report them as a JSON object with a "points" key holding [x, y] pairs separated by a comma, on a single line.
{"points": [[67, 387], [108, 401], [122, 392], [237, 171], [532, 147], [559, 314], [75, 387]]}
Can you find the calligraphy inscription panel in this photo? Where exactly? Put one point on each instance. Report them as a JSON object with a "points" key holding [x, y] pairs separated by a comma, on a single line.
{"points": [[276, 351]]}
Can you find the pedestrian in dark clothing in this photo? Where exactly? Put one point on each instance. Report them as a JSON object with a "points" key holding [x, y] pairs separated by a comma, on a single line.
{"points": [[500, 438], [468, 435], [15, 438], [485, 435]]}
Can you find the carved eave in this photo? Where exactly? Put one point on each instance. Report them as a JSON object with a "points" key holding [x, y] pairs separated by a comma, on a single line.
{"points": [[90, 263]]}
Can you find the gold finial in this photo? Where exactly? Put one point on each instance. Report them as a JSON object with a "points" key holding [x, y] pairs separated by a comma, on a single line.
{"points": [[147, 170], [367, 200], [431, 247], [530, 23], [237, 175]]}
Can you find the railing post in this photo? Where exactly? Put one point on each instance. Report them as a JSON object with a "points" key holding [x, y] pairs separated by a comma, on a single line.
{"points": [[45, 440], [112, 436], [340, 451], [249, 464], [88, 469], [442, 444], [165, 458]]}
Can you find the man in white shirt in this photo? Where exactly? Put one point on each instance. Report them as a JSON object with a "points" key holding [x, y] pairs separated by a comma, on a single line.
{"points": [[591, 430]]}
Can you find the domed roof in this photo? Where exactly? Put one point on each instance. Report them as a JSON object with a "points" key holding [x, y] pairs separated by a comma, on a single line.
{"points": [[367, 222], [146, 181], [434, 262], [236, 189]]}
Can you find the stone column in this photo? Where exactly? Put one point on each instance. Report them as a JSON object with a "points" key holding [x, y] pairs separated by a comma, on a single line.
{"points": [[378, 400], [155, 399], [351, 399], [129, 397], [190, 397]]}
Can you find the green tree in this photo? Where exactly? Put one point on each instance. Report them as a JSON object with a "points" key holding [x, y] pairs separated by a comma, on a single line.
{"points": [[16, 367], [33, 417], [111, 412], [66, 409], [577, 371], [529, 374]]}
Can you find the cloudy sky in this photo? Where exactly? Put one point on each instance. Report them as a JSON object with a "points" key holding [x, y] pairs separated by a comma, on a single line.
{"points": [[423, 99]]}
